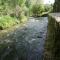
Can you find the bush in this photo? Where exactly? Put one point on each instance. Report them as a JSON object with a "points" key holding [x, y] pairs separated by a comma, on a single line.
{"points": [[23, 19], [48, 8], [7, 21], [37, 10]]}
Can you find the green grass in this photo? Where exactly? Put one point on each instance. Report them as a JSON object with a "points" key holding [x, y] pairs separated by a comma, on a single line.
{"points": [[7, 21]]}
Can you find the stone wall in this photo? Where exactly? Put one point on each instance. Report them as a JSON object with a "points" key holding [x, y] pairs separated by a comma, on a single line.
{"points": [[52, 46]]}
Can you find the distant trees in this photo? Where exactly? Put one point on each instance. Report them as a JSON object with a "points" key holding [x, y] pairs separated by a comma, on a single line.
{"points": [[48, 7], [14, 8], [19, 8], [37, 10]]}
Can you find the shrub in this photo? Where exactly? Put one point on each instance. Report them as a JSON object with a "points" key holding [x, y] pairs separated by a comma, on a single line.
{"points": [[37, 10], [7, 21], [48, 8]]}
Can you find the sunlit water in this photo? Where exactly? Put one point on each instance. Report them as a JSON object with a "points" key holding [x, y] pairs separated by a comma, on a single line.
{"points": [[25, 43]]}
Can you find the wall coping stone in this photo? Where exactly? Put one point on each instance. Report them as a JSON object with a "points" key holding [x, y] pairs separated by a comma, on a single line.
{"points": [[56, 16]]}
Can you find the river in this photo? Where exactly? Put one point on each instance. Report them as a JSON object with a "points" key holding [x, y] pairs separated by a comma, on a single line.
{"points": [[26, 43]]}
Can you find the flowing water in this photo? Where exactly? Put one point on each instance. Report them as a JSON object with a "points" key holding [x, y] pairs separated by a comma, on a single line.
{"points": [[26, 43]]}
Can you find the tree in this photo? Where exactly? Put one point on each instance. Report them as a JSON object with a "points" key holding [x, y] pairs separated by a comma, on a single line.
{"points": [[56, 7], [12, 7]]}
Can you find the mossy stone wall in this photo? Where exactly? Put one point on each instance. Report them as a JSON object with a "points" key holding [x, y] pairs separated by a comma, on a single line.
{"points": [[52, 46]]}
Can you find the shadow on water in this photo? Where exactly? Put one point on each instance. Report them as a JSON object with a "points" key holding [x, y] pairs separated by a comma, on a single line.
{"points": [[26, 43]]}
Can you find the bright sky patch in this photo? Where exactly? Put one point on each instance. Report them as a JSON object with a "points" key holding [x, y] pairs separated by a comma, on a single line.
{"points": [[49, 1]]}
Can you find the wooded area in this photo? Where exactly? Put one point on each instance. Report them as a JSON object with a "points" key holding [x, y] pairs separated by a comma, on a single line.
{"points": [[15, 11]]}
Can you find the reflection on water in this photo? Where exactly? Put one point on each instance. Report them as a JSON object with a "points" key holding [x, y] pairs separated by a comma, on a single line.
{"points": [[26, 43]]}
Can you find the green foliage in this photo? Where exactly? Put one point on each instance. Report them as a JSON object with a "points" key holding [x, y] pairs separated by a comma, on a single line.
{"points": [[7, 21], [27, 3], [19, 9], [12, 7], [10, 10], [37, 10], [21, 2], [48, 8]]}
